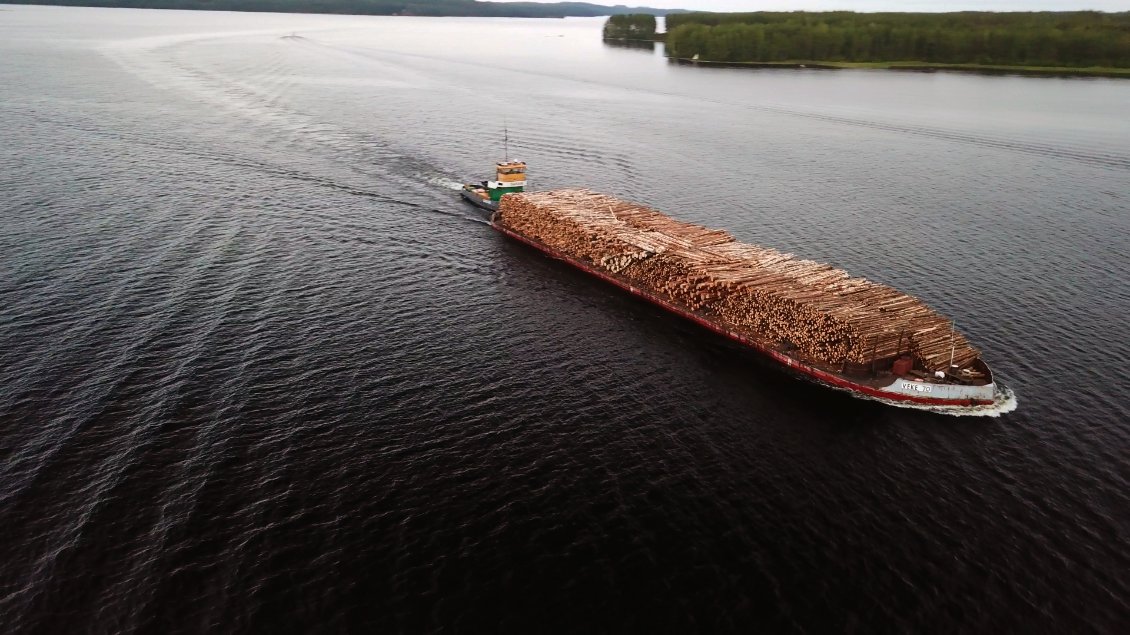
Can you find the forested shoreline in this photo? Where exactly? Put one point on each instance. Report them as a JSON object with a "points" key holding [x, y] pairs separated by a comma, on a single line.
{"points": [[431, 8], [1077, 39], [630, 26]]}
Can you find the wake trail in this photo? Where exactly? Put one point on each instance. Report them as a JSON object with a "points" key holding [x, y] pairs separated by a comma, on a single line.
{"points": [[1105, 159]]}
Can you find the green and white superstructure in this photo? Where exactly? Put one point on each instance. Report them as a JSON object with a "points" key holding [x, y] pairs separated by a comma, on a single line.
{"points": [[509, 178]]}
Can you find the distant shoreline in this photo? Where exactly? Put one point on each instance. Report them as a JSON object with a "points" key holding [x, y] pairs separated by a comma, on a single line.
{"points": [[399, 8], [922, 67], [658, 37], [1066, 43]]}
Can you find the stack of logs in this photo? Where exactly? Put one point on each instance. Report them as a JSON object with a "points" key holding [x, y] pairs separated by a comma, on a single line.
{"points": [[824, 313]]}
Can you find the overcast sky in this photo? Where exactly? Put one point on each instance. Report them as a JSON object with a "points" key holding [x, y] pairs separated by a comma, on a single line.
{"points": [[879, 5]]}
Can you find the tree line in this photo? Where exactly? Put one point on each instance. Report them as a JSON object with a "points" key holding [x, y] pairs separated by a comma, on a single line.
{"points": [[1068, 39], [630, 26]]}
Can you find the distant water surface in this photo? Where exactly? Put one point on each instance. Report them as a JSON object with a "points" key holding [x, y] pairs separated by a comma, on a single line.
{"points": [[262, 371]]}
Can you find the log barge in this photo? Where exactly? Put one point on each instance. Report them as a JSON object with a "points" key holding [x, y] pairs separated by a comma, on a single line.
{"points": [[815, 320]]}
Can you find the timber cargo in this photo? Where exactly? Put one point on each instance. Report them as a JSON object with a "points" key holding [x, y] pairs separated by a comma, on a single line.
{"points": [[817, 320]]}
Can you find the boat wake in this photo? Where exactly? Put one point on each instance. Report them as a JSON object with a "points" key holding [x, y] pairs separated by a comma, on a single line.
{"points": [[460, 215], [446, 183]]}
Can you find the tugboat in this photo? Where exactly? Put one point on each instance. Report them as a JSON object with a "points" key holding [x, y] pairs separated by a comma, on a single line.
{"points": [[510, 176]]}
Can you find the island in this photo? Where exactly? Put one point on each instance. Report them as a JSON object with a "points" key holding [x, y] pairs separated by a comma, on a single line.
{"points": [[1065, 43], [630, 27]]}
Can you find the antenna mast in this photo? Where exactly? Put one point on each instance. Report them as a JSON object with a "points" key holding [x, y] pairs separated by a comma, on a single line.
{"points": [[505, 142]]}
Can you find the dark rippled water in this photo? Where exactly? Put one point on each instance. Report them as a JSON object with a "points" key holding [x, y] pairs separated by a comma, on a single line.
{"points": [[260, 369]]}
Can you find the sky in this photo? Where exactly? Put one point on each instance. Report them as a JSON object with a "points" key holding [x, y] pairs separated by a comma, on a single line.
{"points": [[878, 5]]}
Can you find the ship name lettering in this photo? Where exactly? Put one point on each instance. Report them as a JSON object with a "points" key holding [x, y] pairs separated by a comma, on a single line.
{"points": [[906, 385]]}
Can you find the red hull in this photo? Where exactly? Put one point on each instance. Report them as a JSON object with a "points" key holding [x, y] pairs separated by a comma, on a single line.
{"points": [[815, 373]]}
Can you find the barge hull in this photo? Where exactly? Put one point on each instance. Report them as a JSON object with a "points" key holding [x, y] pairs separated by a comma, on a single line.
{"points": [[978, 396]]}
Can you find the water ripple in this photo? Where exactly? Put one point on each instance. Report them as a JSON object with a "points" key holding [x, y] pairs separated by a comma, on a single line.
{"points": [[260, 367]]}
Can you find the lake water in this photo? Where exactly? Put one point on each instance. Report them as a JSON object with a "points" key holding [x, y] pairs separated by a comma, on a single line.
{"points": [[262, 370]]}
